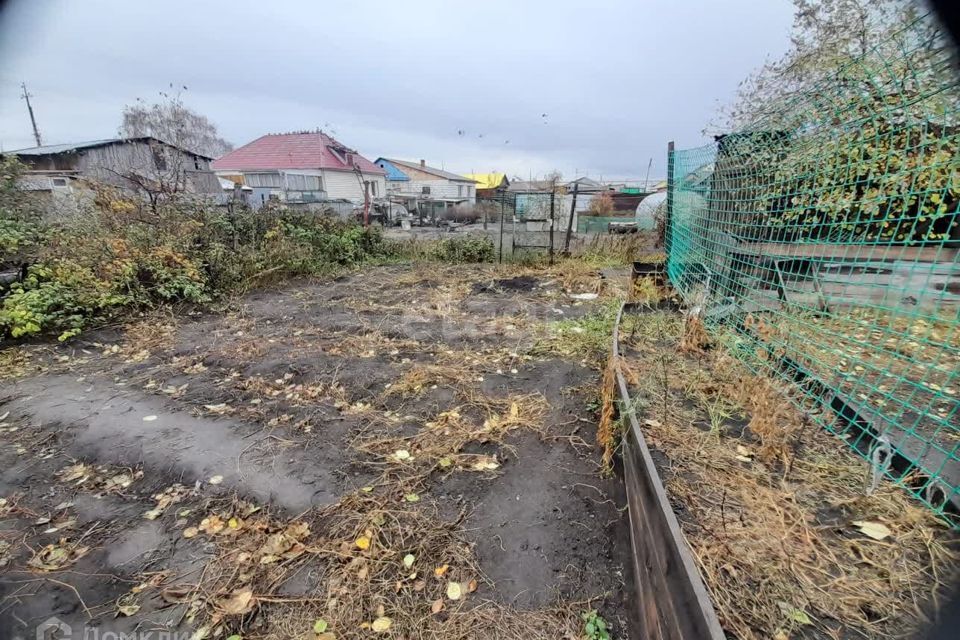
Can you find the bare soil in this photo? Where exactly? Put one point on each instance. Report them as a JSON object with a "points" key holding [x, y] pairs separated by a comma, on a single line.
{"points": [[143, 466]]}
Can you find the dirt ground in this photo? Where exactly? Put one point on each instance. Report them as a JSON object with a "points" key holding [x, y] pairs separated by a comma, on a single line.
{"points": [[396, 452]]}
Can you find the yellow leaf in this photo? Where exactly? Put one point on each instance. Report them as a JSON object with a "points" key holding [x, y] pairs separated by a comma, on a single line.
{"points": [[514, 410], [190, 532], [408, 560], [437, 606], [472, 586], [233, 523], [381, 624], [874, 530], [401, 454], [363, 542], [439, 571], [454, 591]]}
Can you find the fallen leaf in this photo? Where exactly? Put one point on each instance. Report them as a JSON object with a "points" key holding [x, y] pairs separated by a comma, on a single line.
{"points": [[472, 586], [128, 609], [653, 423], [366, 489], [215, 479], [874, 530], [190, 532], [320, 625], [454, 591], [235, 637], [437, 606], [363, 542], [411, 497], [445, 462], [408, 560], [743, 451], [439, 571], [744, 458], [381, 624], [514, 410], [149, 418], [401, 454], [240, 602]]}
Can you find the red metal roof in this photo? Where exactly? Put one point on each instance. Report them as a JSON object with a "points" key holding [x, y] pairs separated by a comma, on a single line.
{"points": [[311, 150]]}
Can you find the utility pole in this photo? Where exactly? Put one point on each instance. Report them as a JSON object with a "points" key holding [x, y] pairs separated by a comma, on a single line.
{"points": [[33, 120]]}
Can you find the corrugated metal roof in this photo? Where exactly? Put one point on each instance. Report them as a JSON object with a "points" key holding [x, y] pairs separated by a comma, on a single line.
{"points": [[531, 186], [488, 180], [307, 150], [52, 149], [393, 173], [428, 169]]}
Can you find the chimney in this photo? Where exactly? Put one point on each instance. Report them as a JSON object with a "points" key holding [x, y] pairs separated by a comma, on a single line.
{"points": [[423, 163]]}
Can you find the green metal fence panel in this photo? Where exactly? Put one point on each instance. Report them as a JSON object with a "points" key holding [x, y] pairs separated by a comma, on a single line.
{"points": [[821, 245]]}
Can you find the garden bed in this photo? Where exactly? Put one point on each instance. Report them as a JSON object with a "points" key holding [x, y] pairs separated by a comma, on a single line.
{"points": [[401, 451], [778, 515]]}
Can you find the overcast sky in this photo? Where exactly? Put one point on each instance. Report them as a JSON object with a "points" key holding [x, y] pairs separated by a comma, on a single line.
{"points": [[617, 79]]}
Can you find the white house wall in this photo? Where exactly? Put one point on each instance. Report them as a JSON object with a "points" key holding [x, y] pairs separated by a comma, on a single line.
{"points": [[439, 189], [346, 185]]}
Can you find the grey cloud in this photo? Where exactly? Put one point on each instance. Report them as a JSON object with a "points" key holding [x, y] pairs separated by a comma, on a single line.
{"points": [[618, 79]]}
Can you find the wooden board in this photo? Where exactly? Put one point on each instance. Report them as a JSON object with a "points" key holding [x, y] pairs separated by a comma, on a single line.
{"points": [[672, 600]]}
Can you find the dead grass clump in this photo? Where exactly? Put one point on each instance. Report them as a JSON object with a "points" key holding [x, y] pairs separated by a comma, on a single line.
{"points": [[608, 431], [151, 334], [14, 362], [645, 291], [694, 338], [422, 376], [371, 343], [439, 443], [772, 418]]}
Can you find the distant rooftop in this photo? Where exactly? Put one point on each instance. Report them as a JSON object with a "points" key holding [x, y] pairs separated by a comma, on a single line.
{"points": [[54, 149], [428, 169], [301, 150]]}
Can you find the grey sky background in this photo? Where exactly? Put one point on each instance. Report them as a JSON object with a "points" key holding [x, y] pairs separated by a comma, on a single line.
{"points": [[616, 78]]}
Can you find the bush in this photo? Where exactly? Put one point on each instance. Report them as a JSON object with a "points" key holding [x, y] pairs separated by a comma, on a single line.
{"points": [[601, 204], [117, 257]]}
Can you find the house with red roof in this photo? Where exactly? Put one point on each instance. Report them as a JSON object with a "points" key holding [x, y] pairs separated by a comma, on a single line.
{"points": [[302, 167]]}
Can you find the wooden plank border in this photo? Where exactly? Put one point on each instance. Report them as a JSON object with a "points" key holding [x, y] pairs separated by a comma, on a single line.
{"points": [[672, 600]]}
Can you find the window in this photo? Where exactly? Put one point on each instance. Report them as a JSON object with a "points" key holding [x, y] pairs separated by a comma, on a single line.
{"points": [[300, 182], [59, 182], [460, 190], [373, 189], [267, 180], [425, 190]]}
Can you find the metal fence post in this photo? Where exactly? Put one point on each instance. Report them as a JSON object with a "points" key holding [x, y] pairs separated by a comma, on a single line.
{"points": [[668, 224]]}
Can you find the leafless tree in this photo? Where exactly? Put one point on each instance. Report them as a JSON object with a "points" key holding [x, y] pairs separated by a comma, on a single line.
{"points": [[170, 120]]}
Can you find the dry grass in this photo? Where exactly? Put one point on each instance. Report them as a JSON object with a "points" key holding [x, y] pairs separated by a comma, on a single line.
{"points": [[769, 513]]}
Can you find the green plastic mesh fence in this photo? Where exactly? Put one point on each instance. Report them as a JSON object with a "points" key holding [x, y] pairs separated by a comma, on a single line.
{"points": [[821, 245]]}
